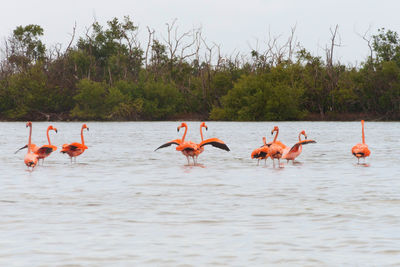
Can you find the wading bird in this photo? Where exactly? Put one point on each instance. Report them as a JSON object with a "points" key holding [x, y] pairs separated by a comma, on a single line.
{"points": [[188, 148], [295, 150], [361, 150], [30, 158], [275, 149], [215, 142], [75, 149], [45, 150], [261, 152]]}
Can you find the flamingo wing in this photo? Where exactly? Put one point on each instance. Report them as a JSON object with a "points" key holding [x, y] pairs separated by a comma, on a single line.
{"points": [[173, 142], [215, 142], [44, 150], [71, 147], [296, 146], [258, 154]]}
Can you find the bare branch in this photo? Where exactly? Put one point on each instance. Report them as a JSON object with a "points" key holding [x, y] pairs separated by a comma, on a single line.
{"points": [[72, 38]]}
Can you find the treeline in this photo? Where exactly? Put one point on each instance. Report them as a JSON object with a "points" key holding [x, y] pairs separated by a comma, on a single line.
{"points": [[108, 74]]}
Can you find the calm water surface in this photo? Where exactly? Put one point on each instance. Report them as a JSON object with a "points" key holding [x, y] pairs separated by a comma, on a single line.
{"points": [[122, 204]]}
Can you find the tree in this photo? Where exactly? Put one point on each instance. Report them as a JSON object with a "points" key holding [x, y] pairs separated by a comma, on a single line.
{"points": [[24, 47]]}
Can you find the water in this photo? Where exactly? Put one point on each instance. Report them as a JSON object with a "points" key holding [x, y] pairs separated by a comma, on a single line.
{"points": [[122, 204]]}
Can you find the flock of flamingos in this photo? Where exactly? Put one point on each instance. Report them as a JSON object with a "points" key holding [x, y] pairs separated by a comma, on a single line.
{"points": [[274, 150]]}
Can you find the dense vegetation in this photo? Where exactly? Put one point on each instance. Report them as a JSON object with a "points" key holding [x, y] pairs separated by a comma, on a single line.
{"points": [[109, 75]]}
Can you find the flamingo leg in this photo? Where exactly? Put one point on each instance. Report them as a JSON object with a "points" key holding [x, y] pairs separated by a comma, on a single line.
{"points": [[258, 162], [265, 161]]}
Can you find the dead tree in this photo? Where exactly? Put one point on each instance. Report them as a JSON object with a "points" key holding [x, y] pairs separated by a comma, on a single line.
{"points": [[333, 74]]}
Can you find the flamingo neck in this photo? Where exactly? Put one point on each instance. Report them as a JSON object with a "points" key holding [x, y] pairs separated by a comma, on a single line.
{"points": [[276, 136], [299, 137], [184, 134], [29, 140], [83, 140], [265, 141], [201, 133], [48, 138], [363, 135]]}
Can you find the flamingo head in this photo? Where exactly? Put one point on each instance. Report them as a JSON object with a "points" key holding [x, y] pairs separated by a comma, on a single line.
{"points": [[276, 129], [182, 126], [85, 127], [203, 124], [304, 133], [29, 124], [51, 128]]}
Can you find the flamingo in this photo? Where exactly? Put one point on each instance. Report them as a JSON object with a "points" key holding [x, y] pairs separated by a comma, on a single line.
{"points": [[361, 150], [188, 148], [261, 152], [215, 142], [45, 150], [75, 149], [295, 150], [30, 158], [275, 149]]}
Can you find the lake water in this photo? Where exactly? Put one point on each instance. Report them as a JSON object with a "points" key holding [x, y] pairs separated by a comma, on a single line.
{"points": [[122, 204]]}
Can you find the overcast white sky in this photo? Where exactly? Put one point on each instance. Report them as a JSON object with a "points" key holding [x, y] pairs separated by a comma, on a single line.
{"points": [[234, 24]]}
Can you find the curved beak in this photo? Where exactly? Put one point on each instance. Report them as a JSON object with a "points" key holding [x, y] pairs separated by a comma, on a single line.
{"points": [[206, 128], [20, 149], [272, 132], [177, 129], [305, 136], [87, 128], [55, 129]]}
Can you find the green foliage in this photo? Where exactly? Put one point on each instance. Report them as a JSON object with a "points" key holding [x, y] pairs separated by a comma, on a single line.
{"points": [[268, 96], [386, 45], [90, 102], [160, 100], [103, 77], [26, 46]]}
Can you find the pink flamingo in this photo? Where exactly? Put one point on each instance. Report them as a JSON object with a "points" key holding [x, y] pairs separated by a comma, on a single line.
{"points": [[75, 149], [45, 150], [275, 149], [188, 148], [215, 142], [295, 150], [30, 158], [261, 152], [361, 150]]}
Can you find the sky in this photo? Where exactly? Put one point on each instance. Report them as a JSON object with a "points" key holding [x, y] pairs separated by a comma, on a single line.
{"points": [[235, 25]]}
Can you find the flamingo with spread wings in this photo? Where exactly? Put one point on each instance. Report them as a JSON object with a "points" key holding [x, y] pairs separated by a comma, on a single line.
{"points": [[192, 149], [215, 142], [361, 150], [75, 149], [188, 148], [295, 150], [30, 158]]}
